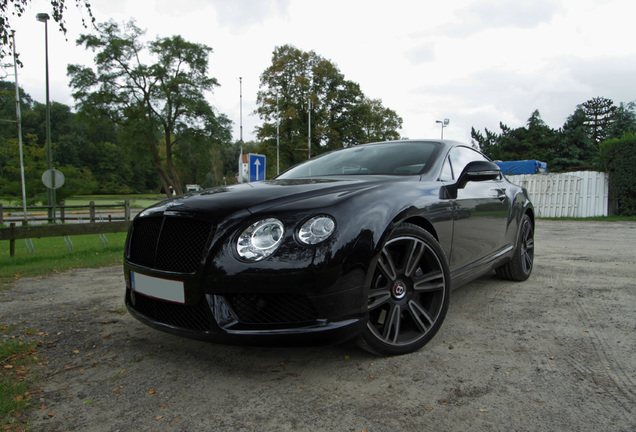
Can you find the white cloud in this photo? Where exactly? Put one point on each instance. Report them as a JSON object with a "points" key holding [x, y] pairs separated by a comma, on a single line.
{"points": [[477, 62]]}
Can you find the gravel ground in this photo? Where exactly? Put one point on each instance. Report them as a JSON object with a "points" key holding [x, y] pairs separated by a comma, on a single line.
{"points": [[553, 353]]}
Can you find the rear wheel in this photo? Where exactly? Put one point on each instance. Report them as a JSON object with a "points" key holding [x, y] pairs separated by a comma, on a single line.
{"points": [[409, 293], [520, 267]]}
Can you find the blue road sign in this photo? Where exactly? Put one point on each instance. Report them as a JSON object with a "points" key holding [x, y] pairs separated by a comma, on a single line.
{"points": [[257, 167]]}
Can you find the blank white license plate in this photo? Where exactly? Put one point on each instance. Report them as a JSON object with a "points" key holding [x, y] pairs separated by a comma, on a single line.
{"points": [[164, 289]]}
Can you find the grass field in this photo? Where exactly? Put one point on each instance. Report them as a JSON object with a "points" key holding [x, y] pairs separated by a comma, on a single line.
{"points": [[136, 201], [52, 255]]}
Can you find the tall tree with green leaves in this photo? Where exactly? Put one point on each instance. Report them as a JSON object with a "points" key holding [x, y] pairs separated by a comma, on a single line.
{"points": [[312, 102], [599, 117], [159, 102], [624, 120]]}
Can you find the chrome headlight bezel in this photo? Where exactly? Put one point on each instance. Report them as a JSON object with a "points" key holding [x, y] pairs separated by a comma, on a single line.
{"points": [[316, 230], [260, 240]]}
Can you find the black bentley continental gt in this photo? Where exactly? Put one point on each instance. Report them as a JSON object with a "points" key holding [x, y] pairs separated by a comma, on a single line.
{"points": [[365, 242]]}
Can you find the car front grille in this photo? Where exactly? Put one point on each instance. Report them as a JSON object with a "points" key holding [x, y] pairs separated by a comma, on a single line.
{"points": [[195, 317], [272, 308], [169, 243]]}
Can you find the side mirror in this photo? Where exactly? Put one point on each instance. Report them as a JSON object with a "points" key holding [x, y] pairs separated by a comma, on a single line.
{"points": [[478, 171]]}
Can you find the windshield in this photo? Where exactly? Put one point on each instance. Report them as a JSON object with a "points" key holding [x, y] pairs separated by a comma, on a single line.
{"points": [[397, 158]]}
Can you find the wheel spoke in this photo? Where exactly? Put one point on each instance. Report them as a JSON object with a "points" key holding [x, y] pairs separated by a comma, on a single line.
{"points": [[431, 281], [378, 297], [413, 257], [392, 326], [530, 244], [528, 247], [527, 261], [387, 265], [418, 312]]}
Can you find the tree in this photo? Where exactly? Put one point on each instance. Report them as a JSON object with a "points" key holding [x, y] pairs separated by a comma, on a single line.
{"points": [[532, 142], [15, 8], [378, 122], [159, 103], [34, 165], [299, 85], [575, 149], [624, 120], [599, 117]]}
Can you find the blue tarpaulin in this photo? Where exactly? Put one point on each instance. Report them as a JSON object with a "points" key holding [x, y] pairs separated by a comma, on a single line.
{"points": [[523, 167]]}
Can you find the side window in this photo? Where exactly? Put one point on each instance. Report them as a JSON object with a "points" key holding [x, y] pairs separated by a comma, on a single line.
{"points": [[447, 171], [461, 156]]}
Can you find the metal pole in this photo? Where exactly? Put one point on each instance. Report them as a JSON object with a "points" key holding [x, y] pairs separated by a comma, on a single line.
{"points": [[240, 161], [19, 121], [241, 109], [277, 137], [309, 133], [43, 17]]}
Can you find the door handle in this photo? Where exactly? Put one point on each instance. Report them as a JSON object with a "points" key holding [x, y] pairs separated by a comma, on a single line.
{"points": [[500, 194]]}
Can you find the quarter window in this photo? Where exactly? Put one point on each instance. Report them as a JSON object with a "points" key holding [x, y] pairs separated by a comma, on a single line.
{"points": [[447, 171]]}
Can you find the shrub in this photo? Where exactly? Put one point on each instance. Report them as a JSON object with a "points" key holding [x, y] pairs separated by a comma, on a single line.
{"points": [[618, 159]]}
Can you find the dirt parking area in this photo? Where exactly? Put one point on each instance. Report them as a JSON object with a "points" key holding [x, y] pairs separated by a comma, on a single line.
{"points": [[556, 352]]}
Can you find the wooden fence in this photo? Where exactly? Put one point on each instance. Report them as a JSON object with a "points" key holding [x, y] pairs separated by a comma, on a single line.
{"points": [[64, 213], [97, 224]]}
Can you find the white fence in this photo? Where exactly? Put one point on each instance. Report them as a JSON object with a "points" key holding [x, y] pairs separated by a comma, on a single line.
{"points": [[576, 194]]}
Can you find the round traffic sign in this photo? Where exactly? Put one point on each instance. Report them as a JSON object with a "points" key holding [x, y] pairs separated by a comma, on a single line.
{"points": [[50, 175]]}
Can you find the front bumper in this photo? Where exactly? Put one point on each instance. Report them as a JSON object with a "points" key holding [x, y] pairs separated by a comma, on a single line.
{"points": [[254, 317]]}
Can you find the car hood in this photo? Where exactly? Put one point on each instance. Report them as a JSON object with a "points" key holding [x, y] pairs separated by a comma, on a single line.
{"points": [[259, 196]]}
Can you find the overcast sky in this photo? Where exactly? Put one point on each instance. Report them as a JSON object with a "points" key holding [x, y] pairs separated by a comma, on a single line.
{"points": [[475, 62]]}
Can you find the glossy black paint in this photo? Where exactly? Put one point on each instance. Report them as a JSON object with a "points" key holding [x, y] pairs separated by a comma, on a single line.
{"points": [[475, 219]]}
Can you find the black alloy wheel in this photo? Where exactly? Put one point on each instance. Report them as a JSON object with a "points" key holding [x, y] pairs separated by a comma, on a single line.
{"points": [[409, 293], [520, 267]]}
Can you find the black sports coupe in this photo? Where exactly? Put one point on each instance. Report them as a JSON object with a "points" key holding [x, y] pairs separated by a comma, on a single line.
{"points": [[364, 242]]}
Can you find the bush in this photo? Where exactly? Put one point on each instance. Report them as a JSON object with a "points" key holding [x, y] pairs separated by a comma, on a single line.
{"points": [[618, 159]]}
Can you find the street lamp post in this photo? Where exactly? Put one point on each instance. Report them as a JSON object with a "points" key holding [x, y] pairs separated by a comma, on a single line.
{"points": [[444, 123], [18, 117], [44, 17]]}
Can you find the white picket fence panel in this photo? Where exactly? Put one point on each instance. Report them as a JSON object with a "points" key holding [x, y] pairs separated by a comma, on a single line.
{"points": [[575, 194]]}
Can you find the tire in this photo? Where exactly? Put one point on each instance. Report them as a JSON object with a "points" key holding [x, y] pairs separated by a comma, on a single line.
{"points": [[520, 267], [408, 294]]}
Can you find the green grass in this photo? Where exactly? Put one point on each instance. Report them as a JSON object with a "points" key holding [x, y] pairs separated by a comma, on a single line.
{"points": [[16, 379], [51, 256], [136, 200]]}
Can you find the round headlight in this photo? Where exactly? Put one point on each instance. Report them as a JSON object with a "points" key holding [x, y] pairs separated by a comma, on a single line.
{"points": [[316, 229], [260, 239]]}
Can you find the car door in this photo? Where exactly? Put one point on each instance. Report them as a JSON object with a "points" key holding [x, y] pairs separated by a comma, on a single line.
{"points": [[480, 214]]}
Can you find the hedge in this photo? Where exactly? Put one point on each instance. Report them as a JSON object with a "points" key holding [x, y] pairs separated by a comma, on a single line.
{"points": [[618, 159]]}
